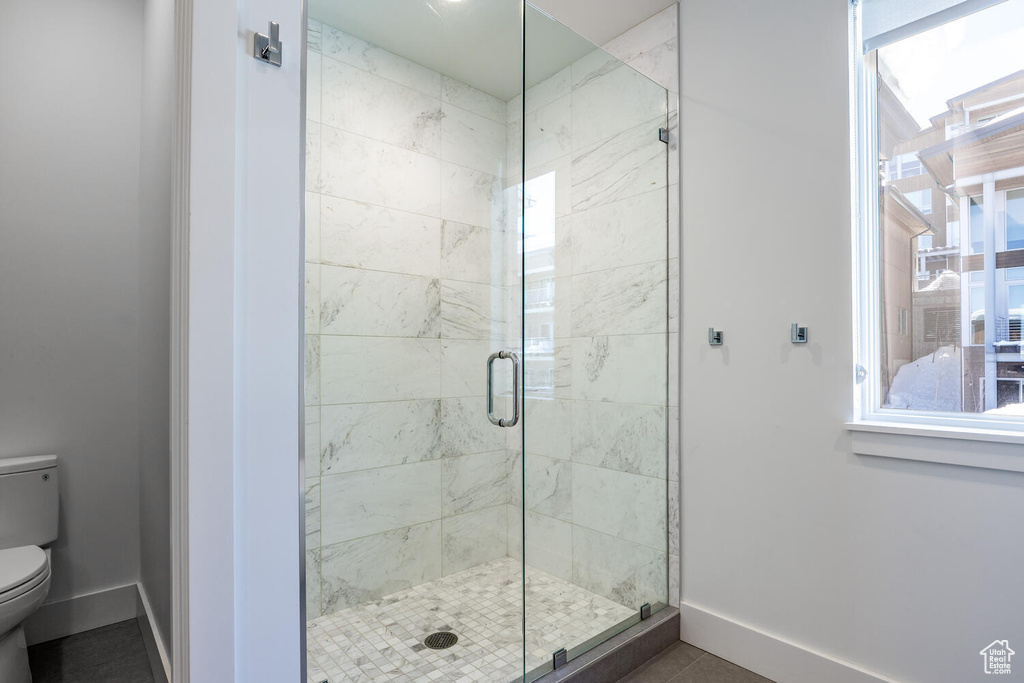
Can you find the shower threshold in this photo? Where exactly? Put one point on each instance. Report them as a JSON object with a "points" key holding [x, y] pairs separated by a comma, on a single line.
{"points": [[383, 640]]}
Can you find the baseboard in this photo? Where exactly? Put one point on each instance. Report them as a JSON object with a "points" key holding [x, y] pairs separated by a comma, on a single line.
{"points": [[772, 657], [81, 613], [156, 647]]}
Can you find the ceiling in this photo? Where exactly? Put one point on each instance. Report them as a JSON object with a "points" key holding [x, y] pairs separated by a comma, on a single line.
{"points": [[479, 42]]}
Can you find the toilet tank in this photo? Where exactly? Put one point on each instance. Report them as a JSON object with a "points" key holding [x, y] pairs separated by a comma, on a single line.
{"points": [[28, 501]]}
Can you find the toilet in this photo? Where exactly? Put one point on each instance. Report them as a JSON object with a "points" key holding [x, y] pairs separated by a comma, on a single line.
{"points": [[28, 522]]}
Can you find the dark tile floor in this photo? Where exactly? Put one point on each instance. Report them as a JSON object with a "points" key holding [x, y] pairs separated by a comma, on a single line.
{"points": [[112, 654], [684, 663]]}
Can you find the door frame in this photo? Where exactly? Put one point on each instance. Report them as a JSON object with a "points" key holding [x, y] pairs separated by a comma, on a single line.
{"points": [[236, 344]]}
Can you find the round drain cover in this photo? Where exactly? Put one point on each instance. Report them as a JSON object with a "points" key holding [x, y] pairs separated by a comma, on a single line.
{"points": [[441, 640]]}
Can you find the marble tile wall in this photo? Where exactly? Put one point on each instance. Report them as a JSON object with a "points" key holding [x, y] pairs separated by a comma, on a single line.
{"points": [[409, 287], [406, 482], [601, 499]]}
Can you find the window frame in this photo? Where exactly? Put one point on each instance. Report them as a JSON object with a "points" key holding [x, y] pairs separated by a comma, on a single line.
{"points": [[876, 430]]}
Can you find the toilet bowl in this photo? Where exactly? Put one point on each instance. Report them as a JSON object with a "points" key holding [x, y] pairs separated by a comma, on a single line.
{"points": [[24, 583]]}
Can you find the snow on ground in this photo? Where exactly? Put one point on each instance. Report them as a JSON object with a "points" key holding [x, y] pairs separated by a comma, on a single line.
{"points": [[932, 382]]}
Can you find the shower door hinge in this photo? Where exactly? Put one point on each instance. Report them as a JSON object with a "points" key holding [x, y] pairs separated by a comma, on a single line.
{"points": [[645, 611], [663, 135], [560, 658]]}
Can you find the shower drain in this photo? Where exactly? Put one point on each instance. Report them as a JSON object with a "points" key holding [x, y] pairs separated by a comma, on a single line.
{"points": [[441, 640]]}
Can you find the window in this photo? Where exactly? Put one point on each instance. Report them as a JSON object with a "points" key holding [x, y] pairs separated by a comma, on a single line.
{"points": [[940, 116]]}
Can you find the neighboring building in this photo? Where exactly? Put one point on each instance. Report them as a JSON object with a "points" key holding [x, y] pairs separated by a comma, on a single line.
{"points": [[965, 176]]}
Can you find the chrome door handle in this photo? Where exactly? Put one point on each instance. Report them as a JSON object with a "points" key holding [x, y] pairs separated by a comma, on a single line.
{"points": [[502, 422]]}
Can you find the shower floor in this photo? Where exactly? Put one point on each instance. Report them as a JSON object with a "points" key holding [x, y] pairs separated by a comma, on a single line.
{"points": [[383, 640]]}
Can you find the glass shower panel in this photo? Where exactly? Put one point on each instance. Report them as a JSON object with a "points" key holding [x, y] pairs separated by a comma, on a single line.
{"points": [[409, 207], [592, 254]]}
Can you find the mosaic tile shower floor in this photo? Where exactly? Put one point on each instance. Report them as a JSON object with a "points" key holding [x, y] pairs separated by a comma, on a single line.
{"points": [[382, 641]]}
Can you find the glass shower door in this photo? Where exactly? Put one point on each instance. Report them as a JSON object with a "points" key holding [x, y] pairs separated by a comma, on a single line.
{"points": [[593, 261]]}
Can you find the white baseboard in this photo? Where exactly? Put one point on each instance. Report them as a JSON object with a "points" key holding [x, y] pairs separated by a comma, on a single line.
{"points": [[156, 646], [773, 657], [81, 613]]}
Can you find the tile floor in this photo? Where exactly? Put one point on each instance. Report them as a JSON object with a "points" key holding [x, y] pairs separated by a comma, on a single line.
{"points": [[111, 654], [382, 641], [684, 663]]}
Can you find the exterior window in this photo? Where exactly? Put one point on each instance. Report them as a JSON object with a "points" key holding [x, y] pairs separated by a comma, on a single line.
{"points": [[1015, 219], [941, 196]]}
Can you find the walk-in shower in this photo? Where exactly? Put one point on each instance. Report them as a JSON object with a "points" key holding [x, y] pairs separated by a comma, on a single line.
{"points": [[486, 342]]}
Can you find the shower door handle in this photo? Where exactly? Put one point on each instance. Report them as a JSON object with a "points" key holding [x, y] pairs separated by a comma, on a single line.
{"points": [[502, 422]]}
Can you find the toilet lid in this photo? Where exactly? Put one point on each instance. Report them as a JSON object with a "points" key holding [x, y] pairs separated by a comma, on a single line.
{"points": [[18, 565]]}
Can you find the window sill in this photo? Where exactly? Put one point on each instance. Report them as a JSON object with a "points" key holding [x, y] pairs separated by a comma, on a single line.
{"points": [[968, 447]]}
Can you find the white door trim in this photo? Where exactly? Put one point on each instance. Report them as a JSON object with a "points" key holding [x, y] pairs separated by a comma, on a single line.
{"points": [[179, 339]]}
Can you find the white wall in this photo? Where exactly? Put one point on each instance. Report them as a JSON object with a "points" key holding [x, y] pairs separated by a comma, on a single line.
{"points": [[154, 310], [70, 274], [907, 569]]}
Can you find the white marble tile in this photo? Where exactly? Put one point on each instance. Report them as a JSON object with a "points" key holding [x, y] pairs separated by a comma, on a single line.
{"points": [[660, 64], [314, 32], [547, 432], [613, 102], [548, 546], [377, 238], [673, 297], [514, 463], [376, 60], [674, 577], [673, 444], [549, 487], [556, 174], [472, 254], [312, 374], [563, 368], [313, 583], [473, 538], [617, 569], [626, 300], [362, 436], [365, 369], [471, 196], [549, 133], [472, 140], [592, 66], [314, 157], [673, 145], [312, 509], [625, 505], [359, 102], [619, 436], [313, 71], [471, 99], [312, 227], [365, 170], [548, 90], [644, 36], [622, 233], [674, 227], [471, 311], [514, 518], [473, 482], [371, 303], [673, 369], [465, 429], [627, 164], [673, 518], [312, 298], [626, 369], [312, 441], [463, 371], [367, 568], [357, 504]]}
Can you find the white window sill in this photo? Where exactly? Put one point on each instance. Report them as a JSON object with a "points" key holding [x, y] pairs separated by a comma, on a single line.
{"points": [[969, 447]]}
